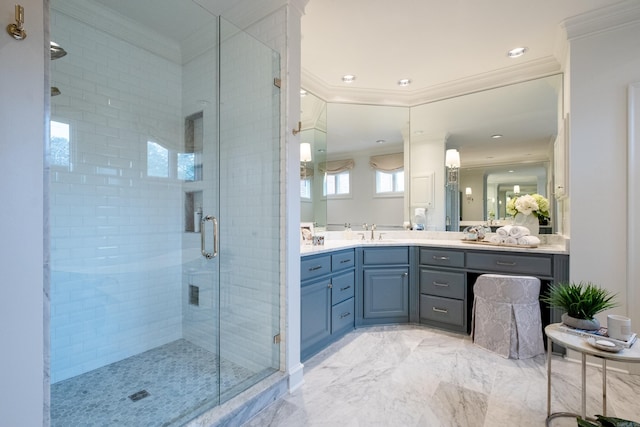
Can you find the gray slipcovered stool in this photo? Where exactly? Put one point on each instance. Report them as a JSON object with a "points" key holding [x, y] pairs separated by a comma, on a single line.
{"points": [[506, 315]]}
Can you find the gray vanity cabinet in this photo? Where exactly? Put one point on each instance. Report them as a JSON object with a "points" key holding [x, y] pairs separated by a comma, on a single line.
{"points": [[385, 285], [327, 299], [443, 289]]}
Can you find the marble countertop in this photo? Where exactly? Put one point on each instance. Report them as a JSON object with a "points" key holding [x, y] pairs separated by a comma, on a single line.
{"points": [[550, 244]]}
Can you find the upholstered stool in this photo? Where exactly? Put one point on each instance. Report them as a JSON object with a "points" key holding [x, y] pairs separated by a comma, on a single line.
{"points": [[506, 315]]}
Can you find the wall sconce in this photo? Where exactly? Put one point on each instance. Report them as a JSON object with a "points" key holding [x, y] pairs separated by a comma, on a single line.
{"points": [[469, 193], [452, 162], [305, 152], [516, 189]]}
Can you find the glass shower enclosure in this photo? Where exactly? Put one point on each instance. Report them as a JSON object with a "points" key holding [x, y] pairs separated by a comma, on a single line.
{"points": [[164, 209]]}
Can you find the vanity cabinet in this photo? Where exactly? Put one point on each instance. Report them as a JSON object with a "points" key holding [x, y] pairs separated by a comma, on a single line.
{"points": [[385, 285], [374, 285], [327, 299], [443, 289]]}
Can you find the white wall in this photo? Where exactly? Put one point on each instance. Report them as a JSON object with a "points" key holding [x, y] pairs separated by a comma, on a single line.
{"points": [[22, 135], [602, 66]]}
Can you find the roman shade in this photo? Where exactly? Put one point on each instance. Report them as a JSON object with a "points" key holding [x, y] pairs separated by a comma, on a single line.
{"points": [[336, 166], [387, 162]]}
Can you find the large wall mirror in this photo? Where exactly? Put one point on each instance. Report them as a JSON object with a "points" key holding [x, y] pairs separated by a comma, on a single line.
{"points": [[313, 152], [506, 137]]}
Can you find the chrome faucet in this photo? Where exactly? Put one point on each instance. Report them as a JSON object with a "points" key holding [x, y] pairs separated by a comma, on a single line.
{"points": [[373, 227]]}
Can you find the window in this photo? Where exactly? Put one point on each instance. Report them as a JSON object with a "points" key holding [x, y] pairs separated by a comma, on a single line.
{"points": [[157, 160], [337, 184], [59, 147], [389, 182], [187, 166], [305, 189]]}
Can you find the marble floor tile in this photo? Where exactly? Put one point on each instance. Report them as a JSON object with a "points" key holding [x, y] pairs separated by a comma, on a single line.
{"points": [[406, 375]]}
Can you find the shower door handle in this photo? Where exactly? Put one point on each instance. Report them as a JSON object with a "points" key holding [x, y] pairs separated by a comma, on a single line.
{"points": [[203, 250]]}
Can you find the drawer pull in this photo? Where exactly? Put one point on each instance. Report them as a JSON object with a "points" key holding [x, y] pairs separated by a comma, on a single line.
{"points": [[344, 289], [511, 264], [343, 315], [443, 285], [344, 261], [317, 267], [440, 310], [441, 258]]}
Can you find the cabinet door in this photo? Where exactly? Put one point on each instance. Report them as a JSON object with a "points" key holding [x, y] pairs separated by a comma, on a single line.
{"points": [[386, 293], [315, 313]]}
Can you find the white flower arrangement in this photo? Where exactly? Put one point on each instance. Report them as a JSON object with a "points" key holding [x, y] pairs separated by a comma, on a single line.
{"points": [[529, 204]]}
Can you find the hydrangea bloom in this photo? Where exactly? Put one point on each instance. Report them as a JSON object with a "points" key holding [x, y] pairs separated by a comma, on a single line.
{"points": [[528, 204]]}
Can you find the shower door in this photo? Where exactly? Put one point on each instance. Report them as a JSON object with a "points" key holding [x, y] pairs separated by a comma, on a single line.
{"points": [[249, 209], [164, 211]]}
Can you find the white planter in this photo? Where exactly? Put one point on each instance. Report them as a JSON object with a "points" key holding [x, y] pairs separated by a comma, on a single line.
{"points": [[529, 221], [588, 324]]}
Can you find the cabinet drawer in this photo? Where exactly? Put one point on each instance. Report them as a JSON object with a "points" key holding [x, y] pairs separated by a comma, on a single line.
{"points": [[315, 267], [342, 287], [442, 283], [399, 255], [538, 266], [443, 310], [343, 260], [442, 257], [342, 316]]}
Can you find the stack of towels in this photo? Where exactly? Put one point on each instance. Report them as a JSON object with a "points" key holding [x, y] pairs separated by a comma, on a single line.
{"points": [[514, 235]]}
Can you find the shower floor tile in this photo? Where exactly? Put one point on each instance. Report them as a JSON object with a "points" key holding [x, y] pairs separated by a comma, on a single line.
{"points": [[181, 379]]}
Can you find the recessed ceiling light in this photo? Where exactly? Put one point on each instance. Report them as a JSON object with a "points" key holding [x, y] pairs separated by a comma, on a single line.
{"points": [[517, 52], [321, 150], [380, 141], [303, 92], [511, 171], [404, 82], [348, 78], [496, 136]]}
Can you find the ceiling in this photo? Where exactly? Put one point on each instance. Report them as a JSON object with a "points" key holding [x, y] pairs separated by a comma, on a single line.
{"points": [[444, 47]]}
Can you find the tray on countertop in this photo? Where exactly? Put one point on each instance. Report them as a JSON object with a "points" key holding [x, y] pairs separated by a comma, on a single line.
{"points": [[482, 242]]}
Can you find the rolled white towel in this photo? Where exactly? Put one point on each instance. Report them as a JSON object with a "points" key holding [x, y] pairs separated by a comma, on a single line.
{"points": [[511, 241], [503, 232], [528, 240], [518, 231], [496, 239]]}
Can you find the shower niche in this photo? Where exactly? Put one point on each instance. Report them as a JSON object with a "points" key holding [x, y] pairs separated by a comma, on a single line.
{"points": [[193, 147], [192, 211]]}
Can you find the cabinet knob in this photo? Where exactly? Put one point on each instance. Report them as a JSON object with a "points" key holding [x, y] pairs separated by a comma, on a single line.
{"points": [[330, 285], [405, 274]]}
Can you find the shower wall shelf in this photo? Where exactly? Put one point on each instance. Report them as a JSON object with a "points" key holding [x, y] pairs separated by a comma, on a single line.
{"points": [[192, 202]]}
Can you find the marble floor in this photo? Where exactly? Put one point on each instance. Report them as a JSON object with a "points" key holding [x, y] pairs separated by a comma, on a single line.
{"points": [[416, 376]]}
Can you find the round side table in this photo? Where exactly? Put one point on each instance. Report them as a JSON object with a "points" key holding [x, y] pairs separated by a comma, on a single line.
{"points": [[579, 343]]}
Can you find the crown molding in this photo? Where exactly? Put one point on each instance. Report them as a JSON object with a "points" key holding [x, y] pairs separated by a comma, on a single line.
{"points": [[604, 19], [525, 71]]}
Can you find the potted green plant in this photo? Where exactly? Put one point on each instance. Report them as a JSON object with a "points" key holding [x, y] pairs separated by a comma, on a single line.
{"points": [[607, 422], [581, 302]]}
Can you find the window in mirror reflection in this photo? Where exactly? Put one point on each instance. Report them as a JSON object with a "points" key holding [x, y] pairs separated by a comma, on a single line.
{"points": [[305, 189], [337, 184], [391, 183]]}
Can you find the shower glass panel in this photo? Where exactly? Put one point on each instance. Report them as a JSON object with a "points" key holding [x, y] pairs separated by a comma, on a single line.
{"points": [[151, 133], [249, 209]]}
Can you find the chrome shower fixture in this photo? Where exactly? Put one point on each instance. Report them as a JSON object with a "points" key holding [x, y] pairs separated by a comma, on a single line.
{"points": [[56, 51]]}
